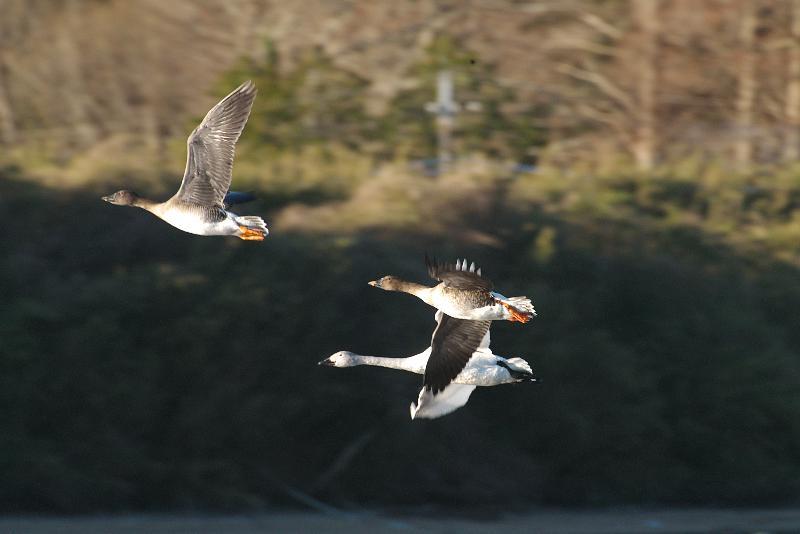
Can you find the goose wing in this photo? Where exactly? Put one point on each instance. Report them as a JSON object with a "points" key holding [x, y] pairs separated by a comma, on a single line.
{"points": [[451, 398], [485, 341], [211, 145], [452, 345], [458, 276]]}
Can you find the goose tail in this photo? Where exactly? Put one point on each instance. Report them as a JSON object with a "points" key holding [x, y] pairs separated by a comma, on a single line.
{"points": [[520, 370], [251, 228], [519, 309]]}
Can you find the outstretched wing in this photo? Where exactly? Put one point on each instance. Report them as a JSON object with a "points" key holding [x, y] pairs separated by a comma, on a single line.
{"points": [[453, 343], [485, 341], [458, 276], [211, 148]]}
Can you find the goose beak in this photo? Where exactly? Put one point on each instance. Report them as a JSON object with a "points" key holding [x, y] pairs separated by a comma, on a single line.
{"points": [[326, 362], [107, 198], [375, 283]]}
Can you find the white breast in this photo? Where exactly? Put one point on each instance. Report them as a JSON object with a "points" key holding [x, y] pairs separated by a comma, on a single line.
{"points": [[189, 222]]}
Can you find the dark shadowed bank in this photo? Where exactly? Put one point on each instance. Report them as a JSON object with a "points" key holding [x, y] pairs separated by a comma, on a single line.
{"points": [[146, 369]]}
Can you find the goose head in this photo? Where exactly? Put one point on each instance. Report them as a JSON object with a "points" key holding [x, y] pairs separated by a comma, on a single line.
{"points": [[389, 283], [342, 358], [122, 198]]}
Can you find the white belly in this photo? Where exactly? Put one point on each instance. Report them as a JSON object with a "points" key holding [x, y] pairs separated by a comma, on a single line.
{"points": [[189, 223], [494, 312]]}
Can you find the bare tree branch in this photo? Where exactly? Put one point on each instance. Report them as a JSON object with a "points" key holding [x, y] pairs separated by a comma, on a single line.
{"points": [[596, 22], [600, 81]]}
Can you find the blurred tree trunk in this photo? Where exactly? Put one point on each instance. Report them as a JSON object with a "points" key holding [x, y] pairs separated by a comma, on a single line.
{"points": [[79, 130], [792, 105], [620, 66], [12, 11], [746, 84], [7, 131], [644, 143]]}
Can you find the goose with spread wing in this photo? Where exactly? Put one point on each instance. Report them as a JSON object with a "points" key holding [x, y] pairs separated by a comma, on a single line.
{"points": [[201, 205], [458, 360], [463, 293]]}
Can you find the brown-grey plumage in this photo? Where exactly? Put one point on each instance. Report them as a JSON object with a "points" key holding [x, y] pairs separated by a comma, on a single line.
{"points": [[452, 345], [464, 288], [202, 204], [211, 147], [457, 277], [462, 293]]}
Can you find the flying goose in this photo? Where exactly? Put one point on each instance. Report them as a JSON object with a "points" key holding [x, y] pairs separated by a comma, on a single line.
{"points": [[458, 360], [201, 204], [462, 293]]}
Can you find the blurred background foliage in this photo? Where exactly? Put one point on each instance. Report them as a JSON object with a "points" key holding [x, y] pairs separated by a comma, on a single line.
{"points": [[144, 368]]}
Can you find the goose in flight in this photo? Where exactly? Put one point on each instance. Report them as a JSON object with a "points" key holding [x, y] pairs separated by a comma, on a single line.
{"points": [[458, 360], [462, 293], [202, 202]]}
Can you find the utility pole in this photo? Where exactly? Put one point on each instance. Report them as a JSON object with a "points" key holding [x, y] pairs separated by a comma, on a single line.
{"points": [[445, 109]]}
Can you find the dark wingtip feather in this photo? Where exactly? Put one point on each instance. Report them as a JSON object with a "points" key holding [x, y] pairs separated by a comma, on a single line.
{"points": [[235, 197], [430, 264]]}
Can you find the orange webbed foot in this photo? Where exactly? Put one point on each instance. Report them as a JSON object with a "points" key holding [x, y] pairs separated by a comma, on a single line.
{"points": [[248, 234], [516, 315]]}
